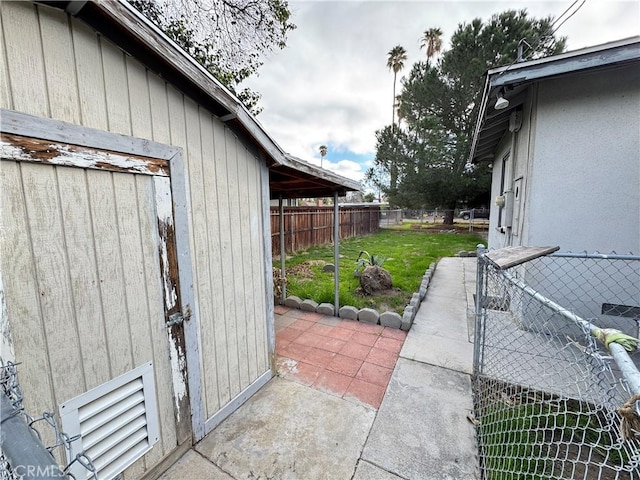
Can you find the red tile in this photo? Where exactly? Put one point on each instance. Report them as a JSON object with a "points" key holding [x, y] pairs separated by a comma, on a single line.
{"points": [[345, 365], [280, 344], [384, 358], [331, 344], [311, 316], [301, 325], [364, 338], [309, 339], [331, 321], [288, 334], [280, 309], [394, 333], [341, 333], [294, 313], [320, 329], [294, 351], [389, 344], [319, 357], [332, 382], [355, 350], [374, 374], [304, 373], [365, 392], [370, 328], [348, 324]]}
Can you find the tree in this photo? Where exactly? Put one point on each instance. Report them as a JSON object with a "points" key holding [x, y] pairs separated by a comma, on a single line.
{"points": [[440, 104], [432, 42], [230, 38], [323, 153], [395, 62]]}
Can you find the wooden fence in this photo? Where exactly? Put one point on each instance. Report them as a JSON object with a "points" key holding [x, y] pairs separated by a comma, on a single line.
{"points": [[308, 226]]}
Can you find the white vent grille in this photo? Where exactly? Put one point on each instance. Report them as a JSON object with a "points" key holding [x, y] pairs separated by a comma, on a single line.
{"points": [[117, 423]]}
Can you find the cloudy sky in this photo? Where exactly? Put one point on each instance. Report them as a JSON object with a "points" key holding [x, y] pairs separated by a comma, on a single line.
{"points": [[330, 85]]}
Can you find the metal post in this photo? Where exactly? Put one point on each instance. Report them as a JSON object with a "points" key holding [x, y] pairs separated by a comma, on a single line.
{"points": [[336, 254], [282, 250], [479, 324], [29, 459]]}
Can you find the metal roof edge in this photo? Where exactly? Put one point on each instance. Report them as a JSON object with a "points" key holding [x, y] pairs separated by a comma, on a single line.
{"points": [[304, 166], [605, 55], [627, 49]]}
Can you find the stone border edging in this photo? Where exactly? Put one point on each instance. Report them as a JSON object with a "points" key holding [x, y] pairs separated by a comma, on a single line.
{"points": [[369, 315]]}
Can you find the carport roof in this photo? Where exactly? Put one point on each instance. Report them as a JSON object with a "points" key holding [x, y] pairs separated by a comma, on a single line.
{"points": [[134, 33], [514, 81]]}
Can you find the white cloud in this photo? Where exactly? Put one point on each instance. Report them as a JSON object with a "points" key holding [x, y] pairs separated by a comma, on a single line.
{"points": [[330, 85]]}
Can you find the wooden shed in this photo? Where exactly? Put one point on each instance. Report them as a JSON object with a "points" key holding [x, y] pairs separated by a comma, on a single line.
{"points": [[136, 251]]}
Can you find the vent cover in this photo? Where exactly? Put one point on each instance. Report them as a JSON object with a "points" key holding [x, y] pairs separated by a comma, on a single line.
{"points": [[117, 423]]}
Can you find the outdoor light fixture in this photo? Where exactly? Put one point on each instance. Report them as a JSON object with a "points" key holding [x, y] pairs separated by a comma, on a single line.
{"points": [[501, 102]]}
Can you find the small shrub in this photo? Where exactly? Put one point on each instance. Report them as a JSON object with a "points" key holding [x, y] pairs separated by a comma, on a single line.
{"points": [[367, 260]]}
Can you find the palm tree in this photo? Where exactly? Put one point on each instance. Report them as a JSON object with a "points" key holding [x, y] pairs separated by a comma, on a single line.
{"points": [[323, 152], [431, 41], [395, 62]]}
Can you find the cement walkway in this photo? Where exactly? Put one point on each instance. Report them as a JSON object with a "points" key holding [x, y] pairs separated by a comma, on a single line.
{"points": [[291, 431]]}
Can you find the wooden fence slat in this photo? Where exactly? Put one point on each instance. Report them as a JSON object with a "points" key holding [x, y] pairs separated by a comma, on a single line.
{"points": [[308, 226]]}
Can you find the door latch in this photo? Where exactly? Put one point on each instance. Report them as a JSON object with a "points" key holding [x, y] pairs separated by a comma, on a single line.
{"points": [[178, 318]]}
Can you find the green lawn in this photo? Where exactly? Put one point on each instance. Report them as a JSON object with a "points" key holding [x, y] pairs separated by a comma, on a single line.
{"points": [[408, 254]]}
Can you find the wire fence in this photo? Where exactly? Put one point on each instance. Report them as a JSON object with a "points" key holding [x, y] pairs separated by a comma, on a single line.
{"points": [[23, 454], [552, 402]]}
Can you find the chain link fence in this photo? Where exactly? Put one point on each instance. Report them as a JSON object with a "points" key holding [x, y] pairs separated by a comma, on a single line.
{"points": [[23, 454], [551, 402]]}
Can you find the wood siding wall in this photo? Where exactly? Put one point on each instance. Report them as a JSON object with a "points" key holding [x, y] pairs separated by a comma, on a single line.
{"points": [[308, 226], [54, 66]]}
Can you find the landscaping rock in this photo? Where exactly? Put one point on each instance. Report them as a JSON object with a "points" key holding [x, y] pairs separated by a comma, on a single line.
{"points": [[391, 319], [407, 318], [422, 292], [368, 315], [348, 312], [375, 279], [329, 267], [325, 309], [415, 301], [309, 305], [292, 301]]}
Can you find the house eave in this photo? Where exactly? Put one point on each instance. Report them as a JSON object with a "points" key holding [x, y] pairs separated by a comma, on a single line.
{"points": [[513, 82]]}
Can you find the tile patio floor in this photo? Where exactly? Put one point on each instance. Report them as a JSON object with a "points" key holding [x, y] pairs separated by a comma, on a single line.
{"points": [[345, 358]]}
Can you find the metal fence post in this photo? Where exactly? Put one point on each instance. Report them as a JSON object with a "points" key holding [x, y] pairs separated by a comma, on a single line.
{"points": [[29, 459], [480, 273], [283, 255]]}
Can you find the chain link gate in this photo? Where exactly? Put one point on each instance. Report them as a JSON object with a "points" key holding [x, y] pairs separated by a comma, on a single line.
{"points": [[550, 401]]}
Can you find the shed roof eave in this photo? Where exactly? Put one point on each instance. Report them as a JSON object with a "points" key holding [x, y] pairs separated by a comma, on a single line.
{"points": [[136, 34]]}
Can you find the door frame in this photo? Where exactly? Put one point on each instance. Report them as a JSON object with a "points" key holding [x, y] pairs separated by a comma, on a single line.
{"points": [[28, 138]]}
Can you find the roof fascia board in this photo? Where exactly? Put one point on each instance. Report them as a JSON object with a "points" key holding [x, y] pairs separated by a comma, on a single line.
{"points": [[300, 165], [565, 63]]}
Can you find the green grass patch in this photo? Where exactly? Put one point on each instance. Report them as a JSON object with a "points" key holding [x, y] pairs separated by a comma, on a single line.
{"points": [[529, 436], [408, 254]]}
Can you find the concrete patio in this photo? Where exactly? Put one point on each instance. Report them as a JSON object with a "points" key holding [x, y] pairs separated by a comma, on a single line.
{"points": [[358, 401]]}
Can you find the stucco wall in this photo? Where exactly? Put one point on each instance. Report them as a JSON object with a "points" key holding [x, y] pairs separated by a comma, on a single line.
{"points": [[585, 169]]}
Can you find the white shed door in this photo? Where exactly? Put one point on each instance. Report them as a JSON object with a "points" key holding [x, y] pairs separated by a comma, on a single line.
{"points": [[89, 272]]}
